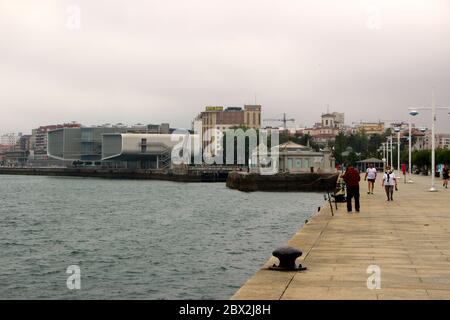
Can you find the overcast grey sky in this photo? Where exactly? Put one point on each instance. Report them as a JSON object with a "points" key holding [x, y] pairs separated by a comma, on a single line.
{"points": [[158, 61]]}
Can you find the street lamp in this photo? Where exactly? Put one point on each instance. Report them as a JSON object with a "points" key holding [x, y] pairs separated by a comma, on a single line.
{"points": [[392, 162], [412, 113], [415, 112], [397, 129], [389, 151]]}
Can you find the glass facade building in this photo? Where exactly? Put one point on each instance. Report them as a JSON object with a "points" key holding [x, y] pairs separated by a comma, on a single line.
{"points": [[83, 143]]}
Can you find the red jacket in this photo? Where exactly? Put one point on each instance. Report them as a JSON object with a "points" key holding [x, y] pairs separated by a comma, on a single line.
{"points": [[351, 177]]}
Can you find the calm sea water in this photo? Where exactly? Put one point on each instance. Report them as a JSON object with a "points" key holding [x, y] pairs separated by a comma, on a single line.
{"points": [[138, 239]]}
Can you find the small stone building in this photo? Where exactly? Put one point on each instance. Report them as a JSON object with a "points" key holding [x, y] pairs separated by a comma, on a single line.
{"points": [[297, 158]]}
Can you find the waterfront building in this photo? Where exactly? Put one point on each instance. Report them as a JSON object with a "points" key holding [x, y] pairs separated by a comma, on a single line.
{"points": [[39, 139], [124, 146], [6, 147], [15, 158], [82, 143], [9, 139], [162, 128], [215, 120], [24, 142], [297, 158], [222, 119], [143, 151]]}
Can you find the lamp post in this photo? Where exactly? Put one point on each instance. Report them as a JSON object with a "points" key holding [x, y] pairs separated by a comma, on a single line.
{"points": [[397, 129], [411, 113], [433, 142], [392, 162], [387, 151], [414, 112]]}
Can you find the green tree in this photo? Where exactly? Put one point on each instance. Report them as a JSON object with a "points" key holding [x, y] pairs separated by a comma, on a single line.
{"points": [[352, 158], [421, 158], [340, 143], [443, 156], [305, 140]]}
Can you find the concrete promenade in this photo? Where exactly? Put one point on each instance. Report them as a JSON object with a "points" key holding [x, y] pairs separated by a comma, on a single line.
{"points": [[409, 239]]}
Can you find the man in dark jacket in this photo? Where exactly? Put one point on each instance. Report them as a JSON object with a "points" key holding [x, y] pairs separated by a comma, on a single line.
{"points": [[352, 178]]}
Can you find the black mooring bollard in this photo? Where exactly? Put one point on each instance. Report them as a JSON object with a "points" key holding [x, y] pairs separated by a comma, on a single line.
{"points": [[287, 257]]}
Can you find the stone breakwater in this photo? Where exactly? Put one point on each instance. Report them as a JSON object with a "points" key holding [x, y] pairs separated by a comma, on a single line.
{"points": [[282, 182]]}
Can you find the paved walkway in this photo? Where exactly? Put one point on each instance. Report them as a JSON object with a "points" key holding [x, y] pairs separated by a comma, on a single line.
{"points": [[409, 239]]}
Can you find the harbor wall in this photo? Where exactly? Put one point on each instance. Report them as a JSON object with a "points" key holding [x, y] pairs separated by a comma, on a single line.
{"points": [[282, 181], [191, 176]]}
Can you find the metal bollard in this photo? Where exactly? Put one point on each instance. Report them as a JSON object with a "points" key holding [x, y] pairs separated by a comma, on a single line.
{"points": [[287, 257]]}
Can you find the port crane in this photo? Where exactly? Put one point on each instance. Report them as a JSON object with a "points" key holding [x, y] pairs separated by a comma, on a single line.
{"points": [[283, 120]]}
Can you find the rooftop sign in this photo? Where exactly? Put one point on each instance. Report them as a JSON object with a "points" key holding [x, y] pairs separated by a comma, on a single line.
{"points": [[213, 108]]}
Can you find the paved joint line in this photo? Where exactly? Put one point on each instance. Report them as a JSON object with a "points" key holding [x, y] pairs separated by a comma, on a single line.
{"points": [[304, 259]]}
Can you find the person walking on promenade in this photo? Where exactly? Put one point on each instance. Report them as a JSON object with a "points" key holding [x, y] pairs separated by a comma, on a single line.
{"points": [[352, 178], [445, 175], [371, 176], [389, 182]]}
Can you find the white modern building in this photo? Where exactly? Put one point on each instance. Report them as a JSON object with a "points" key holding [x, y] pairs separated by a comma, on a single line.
{"points": [[149, 151]]}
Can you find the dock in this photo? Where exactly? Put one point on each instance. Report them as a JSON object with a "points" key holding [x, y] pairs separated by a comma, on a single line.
{"points": [[305, 181], [407, 239]]}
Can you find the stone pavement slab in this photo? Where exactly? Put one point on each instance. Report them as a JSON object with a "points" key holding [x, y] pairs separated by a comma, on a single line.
{"points": [[408, 239]]}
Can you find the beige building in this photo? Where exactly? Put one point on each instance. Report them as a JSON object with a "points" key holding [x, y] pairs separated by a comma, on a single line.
{"points": [[328, 128], [221, 119], [371, 127], [10, 139], [442, 140], [420, 138]]}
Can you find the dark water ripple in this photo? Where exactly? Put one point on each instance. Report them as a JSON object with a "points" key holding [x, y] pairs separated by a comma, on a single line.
{"points": [[138, 239]]}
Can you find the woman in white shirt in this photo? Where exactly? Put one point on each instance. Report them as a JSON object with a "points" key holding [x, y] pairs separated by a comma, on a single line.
{"points": [[371, 176], [389, 182]]}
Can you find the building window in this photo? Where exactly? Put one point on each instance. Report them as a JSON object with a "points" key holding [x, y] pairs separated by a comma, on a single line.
{"points": [[143, 145], [289, 163], [305, 163], [254, 118]]}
